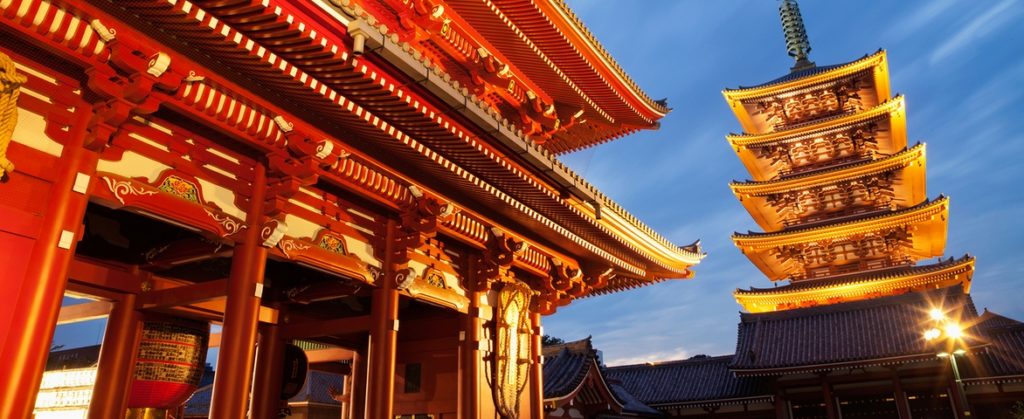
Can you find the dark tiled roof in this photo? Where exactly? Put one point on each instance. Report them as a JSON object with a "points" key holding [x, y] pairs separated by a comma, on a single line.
{"points": [[198, 406], [812, 338], [807, 72], [699, 379], [1005, 355], [565, 367], [631, 404]]}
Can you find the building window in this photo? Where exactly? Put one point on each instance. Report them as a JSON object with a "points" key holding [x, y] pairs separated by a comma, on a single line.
{"points": [[412, 378]]}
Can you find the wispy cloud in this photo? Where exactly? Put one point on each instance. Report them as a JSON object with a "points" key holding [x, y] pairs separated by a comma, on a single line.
{"points": [[989, 21]]}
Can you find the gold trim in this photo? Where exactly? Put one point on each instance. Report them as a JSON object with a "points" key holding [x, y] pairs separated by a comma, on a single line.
{"points": [[892, 107], [898, 218], [768, 300], [903, 159]]}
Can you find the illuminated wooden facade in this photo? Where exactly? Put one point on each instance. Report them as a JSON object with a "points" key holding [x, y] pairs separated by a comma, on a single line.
{"points": [[841, 197], [377, 176]]}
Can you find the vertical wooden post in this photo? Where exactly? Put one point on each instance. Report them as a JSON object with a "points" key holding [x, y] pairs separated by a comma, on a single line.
{"points": [[266, 388], [470, 357], [359, 383], [37, 304], [781, 405], [384, 332], [831, 411], [241, 313], [537, 372], [902, 404], [117, 360]]}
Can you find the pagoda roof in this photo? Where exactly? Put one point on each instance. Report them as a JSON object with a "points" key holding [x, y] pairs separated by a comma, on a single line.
{"points": [[907, 157], [1004, 360], [550, 45], [889, 108], [697, 382], [810, 76], [910, 188], [928, 240], [859, 286], [806, 80], [889, 140], [880, 331]]}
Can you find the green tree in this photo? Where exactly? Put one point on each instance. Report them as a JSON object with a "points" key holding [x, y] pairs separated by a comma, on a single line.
{"points": [[550, 340]]}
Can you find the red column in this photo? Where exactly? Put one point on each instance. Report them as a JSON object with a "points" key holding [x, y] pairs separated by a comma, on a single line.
{"points": [[37, 305], [384, 335], [781, 405], [537, 372], [359, 383], [241, 313], [470, 357], [830, 400], [266, 388], [117, 360]]}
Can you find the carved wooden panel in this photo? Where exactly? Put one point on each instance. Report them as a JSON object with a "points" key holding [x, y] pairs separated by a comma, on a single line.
{"points": [[883, 248], [813, 152], [828, 201]]}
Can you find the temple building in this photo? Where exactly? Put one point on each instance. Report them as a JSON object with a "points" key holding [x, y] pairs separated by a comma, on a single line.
{"points": [[858, 322], [364, 188]]}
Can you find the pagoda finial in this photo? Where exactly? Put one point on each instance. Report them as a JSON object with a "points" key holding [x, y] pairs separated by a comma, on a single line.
{"points": [[796, 35]]}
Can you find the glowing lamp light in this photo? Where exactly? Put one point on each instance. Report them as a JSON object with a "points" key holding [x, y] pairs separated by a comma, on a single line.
{"points": [[954, 331], [937, 314], [932, 334]]}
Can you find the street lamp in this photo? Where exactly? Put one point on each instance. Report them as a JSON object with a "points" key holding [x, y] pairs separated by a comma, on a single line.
{"points": [[949, 332]]}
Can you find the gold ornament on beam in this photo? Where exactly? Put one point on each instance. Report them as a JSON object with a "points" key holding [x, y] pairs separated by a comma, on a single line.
{"points": [[512, 365], [10, 82]]}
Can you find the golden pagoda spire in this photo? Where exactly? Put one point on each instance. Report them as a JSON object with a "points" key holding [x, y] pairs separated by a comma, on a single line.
{"points": [[797, 43]]}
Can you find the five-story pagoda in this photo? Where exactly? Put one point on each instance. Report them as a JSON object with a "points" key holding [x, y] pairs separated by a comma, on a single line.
{"points": [[840, 195]]}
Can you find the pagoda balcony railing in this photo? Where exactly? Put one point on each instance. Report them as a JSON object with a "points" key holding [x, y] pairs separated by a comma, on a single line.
{"points": [[834, 216], [849, 268], [788, 170]]}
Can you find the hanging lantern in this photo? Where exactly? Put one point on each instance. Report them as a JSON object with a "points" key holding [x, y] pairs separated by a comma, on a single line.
{"points": [[293, 375], [170, 362]]}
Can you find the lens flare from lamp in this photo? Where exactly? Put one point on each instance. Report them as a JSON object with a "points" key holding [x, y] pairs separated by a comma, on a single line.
{"points": [[932, 334], [954, 331], [959, 352], [936, 314]]}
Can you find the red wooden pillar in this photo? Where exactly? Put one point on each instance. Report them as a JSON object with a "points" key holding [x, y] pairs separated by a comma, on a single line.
{"points": [[537, 372], [117, 360], [830, 401], [241, 313], [781, 405], [384, 334], [383, 342], [37, 304], [357, 409], [470, 359], [266, 387]]}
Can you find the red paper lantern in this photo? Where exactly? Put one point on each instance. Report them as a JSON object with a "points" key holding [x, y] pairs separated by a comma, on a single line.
{"points": [[171, 360]]}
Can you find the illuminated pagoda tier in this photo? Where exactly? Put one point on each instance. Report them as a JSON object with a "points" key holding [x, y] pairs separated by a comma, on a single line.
{"points": [[839, 194], [858, 323], [377, 177]]}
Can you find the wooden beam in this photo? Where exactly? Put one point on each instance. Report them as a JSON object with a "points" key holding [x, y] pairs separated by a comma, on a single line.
{"points": [[318, 328], [104, 276], [84, 312], [184, 295]]}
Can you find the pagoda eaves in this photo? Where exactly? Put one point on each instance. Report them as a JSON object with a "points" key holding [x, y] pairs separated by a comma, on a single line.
{"points": [[893, 181], [890, 239], [858, 286], [751, 104]]}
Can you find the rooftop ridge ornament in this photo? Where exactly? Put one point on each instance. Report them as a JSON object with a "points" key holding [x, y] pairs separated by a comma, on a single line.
{"points": [[797, 44]]}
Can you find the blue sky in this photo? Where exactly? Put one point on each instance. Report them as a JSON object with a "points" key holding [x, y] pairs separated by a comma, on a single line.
{"points": [[959, 63]]}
